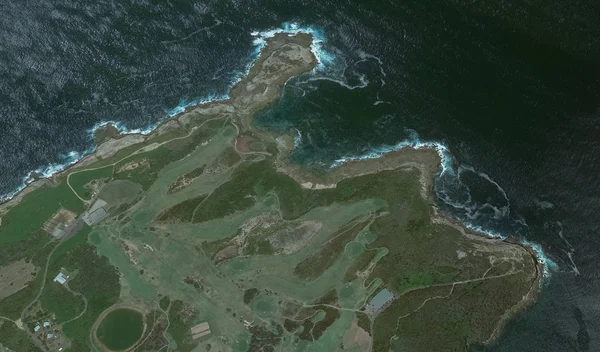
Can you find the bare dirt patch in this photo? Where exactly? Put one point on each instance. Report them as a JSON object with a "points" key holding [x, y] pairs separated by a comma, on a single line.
{"points": [[356, 336], [132, 165], [226, 253], [61, 219], [242, 144]]}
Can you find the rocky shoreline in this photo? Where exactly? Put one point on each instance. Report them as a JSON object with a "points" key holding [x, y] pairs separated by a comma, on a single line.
{"points": [[282, 58]]}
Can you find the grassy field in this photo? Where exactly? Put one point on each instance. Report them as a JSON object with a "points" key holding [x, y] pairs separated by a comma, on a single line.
{"points": [[15, 338], [315, 265], [35, 209], [80, 179], [152, 162]]}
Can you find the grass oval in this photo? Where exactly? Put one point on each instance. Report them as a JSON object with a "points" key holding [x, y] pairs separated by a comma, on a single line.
{"points": [[120, 329]]}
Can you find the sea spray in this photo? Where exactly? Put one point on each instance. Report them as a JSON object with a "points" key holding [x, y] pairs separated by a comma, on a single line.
{"points": [[450, 171], [259, 41]]}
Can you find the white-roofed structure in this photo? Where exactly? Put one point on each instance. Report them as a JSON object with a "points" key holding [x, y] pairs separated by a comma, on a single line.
{"points": [[96, 213], [61, 279]]}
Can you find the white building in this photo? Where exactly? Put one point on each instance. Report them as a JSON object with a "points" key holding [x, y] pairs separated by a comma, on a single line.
{"points": [[46, 324], [37, 328], [96, 213], [61, 278]]}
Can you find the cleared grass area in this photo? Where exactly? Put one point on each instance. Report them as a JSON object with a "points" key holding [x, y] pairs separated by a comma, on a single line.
{"points": [[315, 265], [359, 265], [150, 163], [79, 180], [212, 247]]}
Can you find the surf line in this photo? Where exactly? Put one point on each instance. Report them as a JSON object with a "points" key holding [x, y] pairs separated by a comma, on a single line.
{"points": [[259, 41], [447, 169]]}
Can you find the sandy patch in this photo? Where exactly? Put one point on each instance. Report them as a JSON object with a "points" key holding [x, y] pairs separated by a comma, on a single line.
{"points": [[356, 336], [132, 165], [226, 253]]}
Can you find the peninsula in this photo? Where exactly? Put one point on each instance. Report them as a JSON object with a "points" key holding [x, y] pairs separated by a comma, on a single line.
{"points": [[201, 236]]}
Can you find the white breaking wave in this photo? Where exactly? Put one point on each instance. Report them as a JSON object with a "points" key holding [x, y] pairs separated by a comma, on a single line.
{"points": [[472, 210], [323, 59]]}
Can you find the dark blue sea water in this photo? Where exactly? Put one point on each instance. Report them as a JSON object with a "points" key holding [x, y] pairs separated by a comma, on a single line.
{"points": [[508, 91]]}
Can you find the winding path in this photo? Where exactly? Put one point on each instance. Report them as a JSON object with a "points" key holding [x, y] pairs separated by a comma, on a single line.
{"points": [[24, 311], [85, 302]]}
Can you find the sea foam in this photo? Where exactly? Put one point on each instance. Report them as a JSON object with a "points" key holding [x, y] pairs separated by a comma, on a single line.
{"points": [[259, 41], [449, 169]]}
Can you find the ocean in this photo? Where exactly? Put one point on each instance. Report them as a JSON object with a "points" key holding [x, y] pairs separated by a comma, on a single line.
{"points": [[508, 92]]}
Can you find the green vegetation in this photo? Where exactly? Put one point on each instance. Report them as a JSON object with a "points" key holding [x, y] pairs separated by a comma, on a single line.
{"points": [[26, 248], [98, 281], [361, 264], [34, 209], [164, 303], [16, 339], [154, 339], [79, 180], [195, 173], [56, 298], [182, 212], [258, 246], [227, 159], [181, 318], [453, 318], [79, 238], [211, 248], [120, 329], [249, 295], [259, 178], [315, 265], [60, 301], [149, 164], [363, 321], [188, 177], [310, 328], [12, 305]]}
